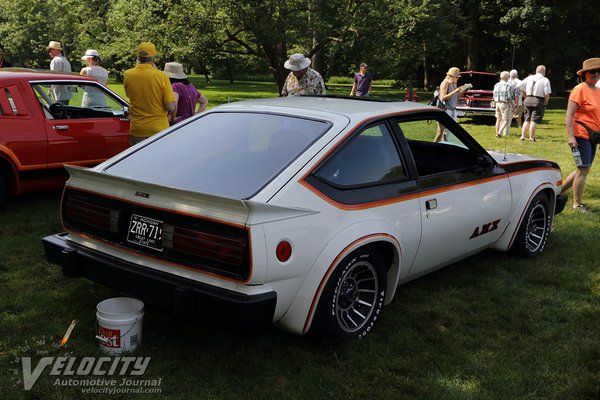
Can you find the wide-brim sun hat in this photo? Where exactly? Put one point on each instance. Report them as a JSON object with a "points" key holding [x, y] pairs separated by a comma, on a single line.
{"points": [[90, 54], [54, 45], [146, 49], [174, 70], [453, 72], [589, 64], [297, 62]]}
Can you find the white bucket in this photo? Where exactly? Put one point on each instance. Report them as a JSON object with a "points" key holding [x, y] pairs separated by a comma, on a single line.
{"points": [[119, 324]]}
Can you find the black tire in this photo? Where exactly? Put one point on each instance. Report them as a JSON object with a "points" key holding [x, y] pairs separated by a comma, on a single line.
{"points": [[353, 297], [535, 227]]}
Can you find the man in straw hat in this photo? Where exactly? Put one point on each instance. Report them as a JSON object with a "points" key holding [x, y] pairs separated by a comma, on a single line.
{"points": [[583, 128], [150, 95], [59, 63], [302, 80], [537, 93]]}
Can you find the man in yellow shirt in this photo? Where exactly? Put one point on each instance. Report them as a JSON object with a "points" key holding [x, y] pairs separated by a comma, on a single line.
{"points": [[150, 95]]}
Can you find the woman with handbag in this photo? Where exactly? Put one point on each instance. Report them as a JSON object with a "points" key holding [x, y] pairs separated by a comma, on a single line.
{"points": [[583, 124], [186, 95], [449, 92]]}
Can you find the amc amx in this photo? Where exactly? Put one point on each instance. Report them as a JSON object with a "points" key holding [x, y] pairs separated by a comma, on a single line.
{"points": [[302, 212]]}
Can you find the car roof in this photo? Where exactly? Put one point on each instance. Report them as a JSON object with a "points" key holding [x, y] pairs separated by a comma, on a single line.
{"points": [[41, 75], [352, 107]]}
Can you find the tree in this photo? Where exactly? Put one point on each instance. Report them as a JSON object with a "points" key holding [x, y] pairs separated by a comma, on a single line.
{"points": [[426, 37]]}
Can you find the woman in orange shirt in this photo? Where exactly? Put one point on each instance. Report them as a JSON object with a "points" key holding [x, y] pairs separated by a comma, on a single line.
{"points": [[583, 114]]}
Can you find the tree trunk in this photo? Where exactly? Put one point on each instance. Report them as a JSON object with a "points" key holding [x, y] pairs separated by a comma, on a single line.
{"points": [[473, 48], [424, 61], [276, 56], [317, 56], [229, 71]]}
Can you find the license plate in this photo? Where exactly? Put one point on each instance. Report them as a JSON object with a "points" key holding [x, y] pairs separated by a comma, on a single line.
{"points": [[145, 232]]}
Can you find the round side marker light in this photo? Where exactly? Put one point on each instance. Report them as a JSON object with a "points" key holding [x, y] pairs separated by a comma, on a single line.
{"points": [[283, 251]]}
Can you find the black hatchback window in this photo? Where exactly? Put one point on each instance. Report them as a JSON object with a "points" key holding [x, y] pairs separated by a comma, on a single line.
{"points": [[232, 154]]}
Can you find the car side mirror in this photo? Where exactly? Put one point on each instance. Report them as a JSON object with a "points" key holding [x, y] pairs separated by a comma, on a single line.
{"points": [[125, 113], [484, 161]]}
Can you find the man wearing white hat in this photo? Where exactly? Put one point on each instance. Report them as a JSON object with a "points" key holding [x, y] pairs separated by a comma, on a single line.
{"points": [[59, 63], [302, 80]]}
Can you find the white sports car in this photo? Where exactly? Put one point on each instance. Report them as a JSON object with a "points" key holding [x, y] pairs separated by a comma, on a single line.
{"points": [[305, 212]]}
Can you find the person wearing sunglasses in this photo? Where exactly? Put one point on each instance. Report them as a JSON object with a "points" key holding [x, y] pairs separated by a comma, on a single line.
{"points": [[583, 124]]}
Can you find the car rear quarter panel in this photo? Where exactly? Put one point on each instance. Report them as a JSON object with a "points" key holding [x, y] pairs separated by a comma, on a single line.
{"points": [[321, 240]]}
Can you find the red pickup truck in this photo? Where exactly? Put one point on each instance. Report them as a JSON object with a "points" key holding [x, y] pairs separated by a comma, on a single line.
{"points": [[39, 134]]}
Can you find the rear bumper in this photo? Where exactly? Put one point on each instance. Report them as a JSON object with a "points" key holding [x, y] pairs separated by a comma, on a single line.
{"points": [[183, 297], [475, 112]]}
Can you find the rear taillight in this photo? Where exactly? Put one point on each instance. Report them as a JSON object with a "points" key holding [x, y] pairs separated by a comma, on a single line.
{"points": [[80, 211], [283, 251], [202, 244]]}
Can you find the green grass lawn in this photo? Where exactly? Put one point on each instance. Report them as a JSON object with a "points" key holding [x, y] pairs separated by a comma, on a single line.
{"points": [[220, 91], [489, 327]]}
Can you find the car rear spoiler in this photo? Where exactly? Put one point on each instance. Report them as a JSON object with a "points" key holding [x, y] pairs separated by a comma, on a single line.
{"points": [[221, 208]]}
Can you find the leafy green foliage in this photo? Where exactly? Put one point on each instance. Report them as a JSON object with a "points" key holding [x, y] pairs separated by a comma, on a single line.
{"points": [[414, 41]]}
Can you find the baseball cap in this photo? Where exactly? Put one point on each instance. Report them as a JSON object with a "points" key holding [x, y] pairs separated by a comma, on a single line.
{"points": [[146, 49]]}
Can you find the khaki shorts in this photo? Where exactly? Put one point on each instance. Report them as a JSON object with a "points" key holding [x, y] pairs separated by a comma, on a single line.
{"points": [[518, 110]]}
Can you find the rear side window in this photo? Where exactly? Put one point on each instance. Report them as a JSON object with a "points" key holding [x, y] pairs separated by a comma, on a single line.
{"points": [[369, 158], [230, 154], [10, 101]]}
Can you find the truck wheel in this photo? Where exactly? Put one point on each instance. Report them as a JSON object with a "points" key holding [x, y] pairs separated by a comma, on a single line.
{"points": [[535, 227], [353, 297]]}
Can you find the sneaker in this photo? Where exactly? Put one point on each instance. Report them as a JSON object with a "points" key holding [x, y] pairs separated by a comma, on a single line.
{"points": [[581, 208], [522, 137]]}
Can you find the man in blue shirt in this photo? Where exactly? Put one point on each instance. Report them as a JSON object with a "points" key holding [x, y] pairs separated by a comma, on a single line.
{"points": [[362, 82]]}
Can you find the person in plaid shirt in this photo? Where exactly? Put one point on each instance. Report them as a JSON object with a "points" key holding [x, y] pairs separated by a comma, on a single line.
{"points": [[504, 97]]}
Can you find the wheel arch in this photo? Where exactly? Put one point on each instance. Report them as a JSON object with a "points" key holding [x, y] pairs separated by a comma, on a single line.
{"points": [[507, 239], [9, 172], [298, 317]]}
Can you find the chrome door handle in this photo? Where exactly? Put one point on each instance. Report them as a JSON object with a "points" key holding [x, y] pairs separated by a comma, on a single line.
{"points": [[61, 127], [431, 204]]}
